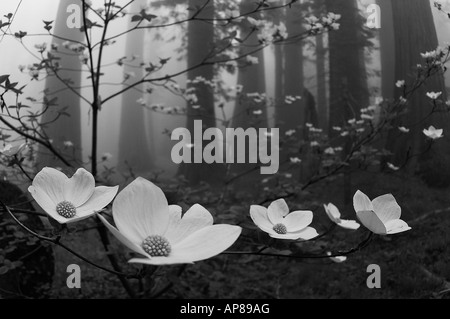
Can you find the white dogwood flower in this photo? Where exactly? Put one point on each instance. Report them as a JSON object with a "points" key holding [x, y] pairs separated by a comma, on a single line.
{"points": [[147, 225], [68, 200], [335, 216], [433, 133], [279, 223], [68, 144], [393, 167], [400, 83], [434, 95], [10, 150], [381, 216]]}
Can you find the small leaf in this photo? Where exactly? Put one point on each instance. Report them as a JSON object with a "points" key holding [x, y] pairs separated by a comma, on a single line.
{"points": [[136, 18], [146, 16], [20, 34], [163, 61], [3, 78]]}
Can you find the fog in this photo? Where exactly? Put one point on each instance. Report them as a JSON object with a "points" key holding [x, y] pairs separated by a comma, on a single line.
{"points": [[146, 147]]}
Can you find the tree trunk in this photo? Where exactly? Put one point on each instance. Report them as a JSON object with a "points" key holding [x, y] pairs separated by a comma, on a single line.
{"points": [[348, 81], [134, 149], [252, 78], [387, 49], [292, 116], [322, 105], [64, 128], [415, 33], [200, 43]]}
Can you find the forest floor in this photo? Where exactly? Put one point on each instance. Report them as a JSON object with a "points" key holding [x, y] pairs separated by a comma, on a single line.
{"points": [[414, 264]]}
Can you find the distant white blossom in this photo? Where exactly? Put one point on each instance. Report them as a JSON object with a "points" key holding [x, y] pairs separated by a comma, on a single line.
{"points": [[433, 133], [400, 83], [434, 95], [393, 167]]}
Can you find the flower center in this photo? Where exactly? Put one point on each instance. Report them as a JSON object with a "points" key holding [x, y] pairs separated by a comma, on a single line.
{"points": [[280, 229], [66, 209], [156, 246]]}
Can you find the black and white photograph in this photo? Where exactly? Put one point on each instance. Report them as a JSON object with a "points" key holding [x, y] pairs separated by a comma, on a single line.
{"points": [[225, 154]]}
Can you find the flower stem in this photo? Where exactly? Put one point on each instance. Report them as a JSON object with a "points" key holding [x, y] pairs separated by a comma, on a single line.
{"points": [[361, 245], [56, 241], [17, 162]]}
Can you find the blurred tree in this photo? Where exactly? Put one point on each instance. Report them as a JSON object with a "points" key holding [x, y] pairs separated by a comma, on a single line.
{"points": [[321, 70], [134, 150], [253, 80], [290, 116], [322, 105], [387, 49], [251, 77], [291, 82], [200, 45], [415, 33], [279, 16], [348, 80], [63, 128]]}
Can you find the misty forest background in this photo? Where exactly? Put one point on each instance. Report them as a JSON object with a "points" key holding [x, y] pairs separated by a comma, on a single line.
{"points": [[336, 74]]}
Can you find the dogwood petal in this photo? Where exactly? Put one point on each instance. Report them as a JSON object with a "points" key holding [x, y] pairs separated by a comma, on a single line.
{"points": [[386, 208], [44, 201], [196, 218], [349, 224], [101, 197], [371, 221], [307, 233], [277, 210], [79, 188], [123, 239], [175, 212], [206, 242], [141, 210], [77, 218], [260, 218], [361, 202], [160, 261], [396, 226], [298, 220], [304, 234], [51, 182], [332, 212]]}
